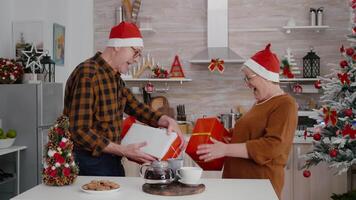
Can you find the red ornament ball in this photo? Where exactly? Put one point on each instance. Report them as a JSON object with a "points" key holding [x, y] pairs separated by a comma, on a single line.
{"points": [[317, 84], [348, 112], [354, 57], [333, 153], [350, 51], [343, 64], [306, 173], [317, 136], [66, 171]]}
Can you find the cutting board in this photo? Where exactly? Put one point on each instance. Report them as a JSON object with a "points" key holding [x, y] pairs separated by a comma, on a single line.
{"points": [[173, 189]]}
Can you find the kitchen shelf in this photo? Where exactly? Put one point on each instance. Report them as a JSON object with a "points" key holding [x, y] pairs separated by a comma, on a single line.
{"points": [[166, 80], [289, 29], [288, 80]]}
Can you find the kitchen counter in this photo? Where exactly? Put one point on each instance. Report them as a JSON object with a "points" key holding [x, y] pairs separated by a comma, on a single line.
{"points": [[249, 189]]}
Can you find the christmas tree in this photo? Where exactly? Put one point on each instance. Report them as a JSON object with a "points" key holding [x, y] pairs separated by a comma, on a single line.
{"points": [[59, 167], [335, 134]]}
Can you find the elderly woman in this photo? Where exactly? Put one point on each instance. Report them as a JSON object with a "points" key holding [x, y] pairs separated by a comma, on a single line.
{"points": [[262, 138]]}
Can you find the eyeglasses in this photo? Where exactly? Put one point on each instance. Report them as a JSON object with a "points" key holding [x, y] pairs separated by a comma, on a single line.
{"points": [[137, 52], [247, 79]]}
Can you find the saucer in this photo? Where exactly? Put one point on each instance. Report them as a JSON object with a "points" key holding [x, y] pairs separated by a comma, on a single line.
{"points": [[190, 183]]}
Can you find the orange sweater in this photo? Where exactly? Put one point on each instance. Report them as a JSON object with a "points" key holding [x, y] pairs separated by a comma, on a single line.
{"points": [[268, 130]]}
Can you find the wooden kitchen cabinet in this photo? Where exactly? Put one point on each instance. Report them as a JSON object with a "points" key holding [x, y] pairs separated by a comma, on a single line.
{"points": [[319, 186]]}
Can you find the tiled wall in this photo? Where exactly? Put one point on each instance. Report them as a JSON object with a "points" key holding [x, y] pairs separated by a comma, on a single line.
{"points": [[180, 28]]}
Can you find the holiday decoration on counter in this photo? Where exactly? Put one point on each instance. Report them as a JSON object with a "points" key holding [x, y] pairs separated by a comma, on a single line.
{"points": [[317, 84], [217, 64], [291, 63], [59, 167], [176, 69], [311, 65], [159, 72], [286, 71], [146, 65], [33, 58], [334, 138], [10, 71]]}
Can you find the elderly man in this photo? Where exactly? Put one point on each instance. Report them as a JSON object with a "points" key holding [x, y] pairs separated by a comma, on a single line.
{"points": [[95, 100]]}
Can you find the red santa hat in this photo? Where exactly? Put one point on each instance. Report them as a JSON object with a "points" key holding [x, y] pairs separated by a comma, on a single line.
{"points": [[125, 34], [265, 64]]}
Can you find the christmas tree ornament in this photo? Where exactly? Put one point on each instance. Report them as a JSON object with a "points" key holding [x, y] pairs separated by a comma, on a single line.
{"points": [[317, 136], [348, 112], [33, 58], [342, 49], [56, 168], [349, 131], [333, 153], [317, 84], [343, 64], [344, 78], [216, 64], [350, 51], [330, 116], [306, 173], [176, 69]]}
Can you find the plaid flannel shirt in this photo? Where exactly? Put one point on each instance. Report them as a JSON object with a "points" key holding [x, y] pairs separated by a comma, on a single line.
{"points": [[95, 100]]}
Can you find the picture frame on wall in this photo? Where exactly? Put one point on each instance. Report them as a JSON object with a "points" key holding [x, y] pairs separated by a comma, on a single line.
{"points": [[58, 43], [24, 34]]}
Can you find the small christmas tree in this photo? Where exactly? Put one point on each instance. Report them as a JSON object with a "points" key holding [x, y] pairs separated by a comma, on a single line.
{"points": [[335, 135], [59, 167]]}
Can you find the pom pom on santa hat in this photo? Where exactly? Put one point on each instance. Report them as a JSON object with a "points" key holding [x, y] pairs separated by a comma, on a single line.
{"points": [[265, 64], [125, 34]]}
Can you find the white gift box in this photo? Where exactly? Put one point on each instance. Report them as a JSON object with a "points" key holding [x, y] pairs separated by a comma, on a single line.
{"points": [[159, 144]]}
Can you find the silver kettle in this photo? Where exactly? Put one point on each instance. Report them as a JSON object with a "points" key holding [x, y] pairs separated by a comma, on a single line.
{"points": [[228, 120]]}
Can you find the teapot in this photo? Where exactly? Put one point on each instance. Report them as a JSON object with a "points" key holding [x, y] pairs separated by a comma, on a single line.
{"points": [[157, 172]]}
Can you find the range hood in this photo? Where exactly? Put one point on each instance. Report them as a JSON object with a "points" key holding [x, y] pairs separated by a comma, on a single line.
{"points": [[218, 35]]}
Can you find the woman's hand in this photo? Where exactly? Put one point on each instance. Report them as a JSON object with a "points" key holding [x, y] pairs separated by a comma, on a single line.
{"points": [[213, 151]]}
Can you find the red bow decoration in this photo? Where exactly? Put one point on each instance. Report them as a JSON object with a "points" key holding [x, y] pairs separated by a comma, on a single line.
{"points": [[330, 116], [349, 131], [287, 72], [216, 63], [344, 78]]}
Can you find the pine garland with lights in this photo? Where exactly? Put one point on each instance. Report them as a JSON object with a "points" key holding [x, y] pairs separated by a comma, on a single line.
{"points": [[59, 167]]}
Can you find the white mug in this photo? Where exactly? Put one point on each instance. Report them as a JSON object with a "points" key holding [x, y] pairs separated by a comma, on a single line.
{"points": [[189, 174]]}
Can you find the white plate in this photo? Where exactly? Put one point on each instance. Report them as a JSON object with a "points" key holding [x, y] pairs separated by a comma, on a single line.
{"points": [[189, 183], [100, 192]]}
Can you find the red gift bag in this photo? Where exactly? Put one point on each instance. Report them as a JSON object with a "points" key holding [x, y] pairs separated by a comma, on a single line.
{"points": [[203, 130]]}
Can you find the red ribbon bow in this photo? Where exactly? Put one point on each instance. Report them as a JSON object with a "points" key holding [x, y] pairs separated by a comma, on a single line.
{"points": [[330, 116], [349, 131], [216, 63], [344, 78]]}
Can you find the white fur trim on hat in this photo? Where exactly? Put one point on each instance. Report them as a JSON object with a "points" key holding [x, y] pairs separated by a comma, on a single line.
{"points": [[129, 42], [261, 71]]}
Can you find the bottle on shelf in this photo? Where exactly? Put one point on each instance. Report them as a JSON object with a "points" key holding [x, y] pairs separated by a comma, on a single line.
{"points": [[312, 17], [319, 14]]}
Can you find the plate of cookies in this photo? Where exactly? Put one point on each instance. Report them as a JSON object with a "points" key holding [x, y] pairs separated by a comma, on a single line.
{"points": [[100, 186]]}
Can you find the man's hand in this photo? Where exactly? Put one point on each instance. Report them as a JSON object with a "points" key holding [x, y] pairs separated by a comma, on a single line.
{"points": [[171, 126], [133, 152]]}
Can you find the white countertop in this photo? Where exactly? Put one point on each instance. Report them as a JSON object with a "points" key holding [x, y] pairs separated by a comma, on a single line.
{"points": [[242, 189]]}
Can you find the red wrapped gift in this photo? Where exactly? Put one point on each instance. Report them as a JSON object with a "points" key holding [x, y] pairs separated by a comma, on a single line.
{"points": [[203, 130]]}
